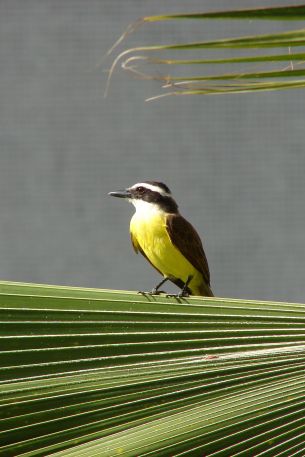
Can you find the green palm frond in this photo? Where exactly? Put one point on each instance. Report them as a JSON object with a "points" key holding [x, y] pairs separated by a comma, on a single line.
{"points": [[88, 372], [147, 61]]}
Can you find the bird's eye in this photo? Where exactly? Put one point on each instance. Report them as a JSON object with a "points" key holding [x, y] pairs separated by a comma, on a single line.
{"points": [[141, 189]]}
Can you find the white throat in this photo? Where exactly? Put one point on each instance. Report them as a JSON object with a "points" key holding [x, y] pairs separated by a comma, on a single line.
{"points": [[145, 209]]}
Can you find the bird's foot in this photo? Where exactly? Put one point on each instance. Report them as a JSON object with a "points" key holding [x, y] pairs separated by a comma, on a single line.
{"points": [[141, 292], [182, 294], [156, 291], [152, 292], [184, 291]]}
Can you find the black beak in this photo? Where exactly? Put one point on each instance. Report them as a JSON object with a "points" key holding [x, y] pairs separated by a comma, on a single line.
{"points": [[121, 193]]}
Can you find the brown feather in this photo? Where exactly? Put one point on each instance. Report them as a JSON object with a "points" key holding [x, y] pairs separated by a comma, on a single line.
{"points": [[186, 239]]}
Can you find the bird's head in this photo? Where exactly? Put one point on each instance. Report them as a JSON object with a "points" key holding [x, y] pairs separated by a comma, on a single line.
{"points": [[148, 195]]}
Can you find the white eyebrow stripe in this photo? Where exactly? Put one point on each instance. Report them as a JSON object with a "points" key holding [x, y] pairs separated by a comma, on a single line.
{"points": [[152, 188]]}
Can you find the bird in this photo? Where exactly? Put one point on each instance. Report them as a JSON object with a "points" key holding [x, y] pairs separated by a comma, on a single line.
{"points": [[166, 239]]}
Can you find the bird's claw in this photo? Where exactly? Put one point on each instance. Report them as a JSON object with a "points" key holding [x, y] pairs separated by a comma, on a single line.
{"points": [[157, 292], [152, 292], [180, 295]]}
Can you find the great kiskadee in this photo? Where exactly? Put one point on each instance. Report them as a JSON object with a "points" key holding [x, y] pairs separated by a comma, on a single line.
{"points": [[167, 240]]}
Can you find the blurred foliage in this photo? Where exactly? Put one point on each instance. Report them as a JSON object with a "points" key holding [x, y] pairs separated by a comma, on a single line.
{"points": [[180, 76]]}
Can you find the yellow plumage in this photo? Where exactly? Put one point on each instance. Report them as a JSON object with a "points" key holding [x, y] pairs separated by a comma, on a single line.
{"points": [[149, 235], [167, 240]]}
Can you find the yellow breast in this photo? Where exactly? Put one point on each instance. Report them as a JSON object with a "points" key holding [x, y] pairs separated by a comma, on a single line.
{"points": [[148, 230]]}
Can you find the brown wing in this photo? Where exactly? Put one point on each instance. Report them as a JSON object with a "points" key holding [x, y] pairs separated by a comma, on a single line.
{"points": [[186, 239], [138, 249]]}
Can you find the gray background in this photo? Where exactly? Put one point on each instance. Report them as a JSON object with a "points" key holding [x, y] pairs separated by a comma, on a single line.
{"points": [[234, 163]]}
